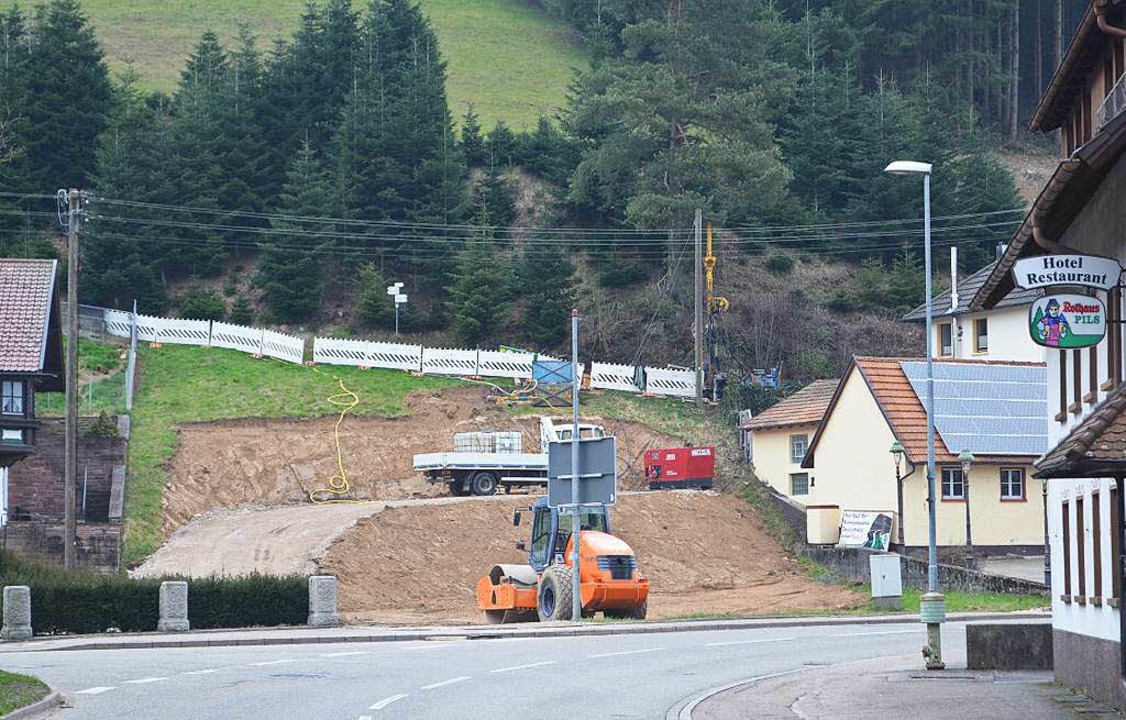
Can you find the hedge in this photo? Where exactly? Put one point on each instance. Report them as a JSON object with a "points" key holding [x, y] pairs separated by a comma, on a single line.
{"points": [[79, 602]]}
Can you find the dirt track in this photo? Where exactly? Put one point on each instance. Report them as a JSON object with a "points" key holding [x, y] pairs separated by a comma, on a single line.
{"points": [[277, 462]]}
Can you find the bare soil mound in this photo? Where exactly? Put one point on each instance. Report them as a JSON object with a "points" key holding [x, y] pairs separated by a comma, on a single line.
{"points": [[233, 463], [705, 554]]}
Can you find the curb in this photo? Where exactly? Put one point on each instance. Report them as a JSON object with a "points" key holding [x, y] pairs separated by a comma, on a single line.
{"points": [[483, 633], [683, 709], [52, 701]]}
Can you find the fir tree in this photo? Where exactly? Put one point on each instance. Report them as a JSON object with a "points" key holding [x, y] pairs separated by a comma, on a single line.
{"points": [[472, 144], [546, 286], [476, 291], [373, 306], [290, 274]]}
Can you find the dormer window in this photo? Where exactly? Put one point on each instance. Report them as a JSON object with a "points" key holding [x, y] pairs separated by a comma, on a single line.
{"points": [[11, 397]]}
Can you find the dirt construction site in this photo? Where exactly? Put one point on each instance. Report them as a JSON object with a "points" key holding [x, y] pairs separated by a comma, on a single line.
{"points": [[405, 552]]}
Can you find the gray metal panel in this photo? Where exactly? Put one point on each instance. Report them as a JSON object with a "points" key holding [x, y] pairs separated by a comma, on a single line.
{"points": [[987, 409], [598, 471]]}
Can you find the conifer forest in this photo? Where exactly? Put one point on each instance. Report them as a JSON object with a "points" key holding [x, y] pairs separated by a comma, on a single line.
{"points": [[288, 180]]}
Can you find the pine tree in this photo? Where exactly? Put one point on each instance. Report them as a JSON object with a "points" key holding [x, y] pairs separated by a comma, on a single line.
{"points": [[67, 101], [289, 273], [477, 291], [472, 144], [546, 286], [373, 306], [501, 145], [494, 199]]}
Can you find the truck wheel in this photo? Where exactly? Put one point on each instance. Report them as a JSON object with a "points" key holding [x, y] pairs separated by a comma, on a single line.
{"points": [[457, 488], [553, 597], [484, 483]]}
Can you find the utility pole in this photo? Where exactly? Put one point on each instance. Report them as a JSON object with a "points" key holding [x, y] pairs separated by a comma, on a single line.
{"points": [[699, 228], [576, 474], [70, 467]]}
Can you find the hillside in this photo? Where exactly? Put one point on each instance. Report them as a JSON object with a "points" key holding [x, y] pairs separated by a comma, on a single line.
{"points": [[508, 57]]}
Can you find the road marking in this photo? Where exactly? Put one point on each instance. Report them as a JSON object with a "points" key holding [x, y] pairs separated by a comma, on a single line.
{"points": [[748, 642], [274, 662], [364, 717], [523, 667], [624, 652], [145, 681], [208, 671], [386, 701], [94, 690], [444, 683], [345, 654], [880, 632]]}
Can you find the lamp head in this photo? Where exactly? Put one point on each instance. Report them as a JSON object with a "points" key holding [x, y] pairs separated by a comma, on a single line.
{"points": [[908, 167], [966, 458], [897, 452]]}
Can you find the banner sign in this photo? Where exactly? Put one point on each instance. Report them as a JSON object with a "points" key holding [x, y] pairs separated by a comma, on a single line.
{"points": [[1049, 270], [862, 529], [1067, 321]]}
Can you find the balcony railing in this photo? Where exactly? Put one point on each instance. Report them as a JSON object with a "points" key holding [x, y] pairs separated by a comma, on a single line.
{"points": [[1114, 103]]}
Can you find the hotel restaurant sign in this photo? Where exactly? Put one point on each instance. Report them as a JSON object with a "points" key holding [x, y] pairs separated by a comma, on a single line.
{"points": [[1060, 320]]}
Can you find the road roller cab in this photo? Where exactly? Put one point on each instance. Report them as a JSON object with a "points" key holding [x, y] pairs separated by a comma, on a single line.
{"points": [[542, 589]]}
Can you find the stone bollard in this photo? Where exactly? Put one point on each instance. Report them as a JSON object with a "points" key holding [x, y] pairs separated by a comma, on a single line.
{"points": [[17, 613], [173, 607], [322, 601]]}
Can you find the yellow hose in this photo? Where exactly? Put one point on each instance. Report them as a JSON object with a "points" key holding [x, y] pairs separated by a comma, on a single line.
{"points": [[338, 484]]}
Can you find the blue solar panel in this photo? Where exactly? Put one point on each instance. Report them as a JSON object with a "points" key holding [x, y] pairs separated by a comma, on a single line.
{"points": [[987, 409]]}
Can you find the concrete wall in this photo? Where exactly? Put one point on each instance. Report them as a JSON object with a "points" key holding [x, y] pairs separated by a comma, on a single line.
{"points": [[770, 450]]}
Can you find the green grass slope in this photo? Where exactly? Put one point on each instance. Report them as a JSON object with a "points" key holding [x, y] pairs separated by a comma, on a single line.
{"points": [[508, 57]]}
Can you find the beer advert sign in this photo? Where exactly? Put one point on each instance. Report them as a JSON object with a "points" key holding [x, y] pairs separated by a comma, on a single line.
{"points": [[1067, 321], [1049, 270]]}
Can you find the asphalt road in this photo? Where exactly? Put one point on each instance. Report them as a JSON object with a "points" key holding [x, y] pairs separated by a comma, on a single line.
{"points": [[616, 676]]}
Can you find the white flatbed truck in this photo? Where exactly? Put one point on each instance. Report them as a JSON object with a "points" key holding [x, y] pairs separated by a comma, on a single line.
{"points": [[483, 473]]}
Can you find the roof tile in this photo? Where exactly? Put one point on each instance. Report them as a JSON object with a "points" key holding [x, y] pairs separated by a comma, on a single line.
{"points": [[805, 407]]}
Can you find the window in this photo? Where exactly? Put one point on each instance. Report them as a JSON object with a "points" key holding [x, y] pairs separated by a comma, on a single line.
{"points": [[799, 484], [11, 397], [1067, 550], [981, 335], [11, 436], [945, 340], [1097, 542], [1012, 483], [798, 445], [1081, 547], [541, 533], [953, 484]]}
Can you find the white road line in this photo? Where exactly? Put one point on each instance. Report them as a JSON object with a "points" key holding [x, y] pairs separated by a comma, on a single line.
{"points": [[345, 654], [273, 662], [624, 652], [94, 690], [386, 701], [880, 632], [364, 717], [444, 683], [523, 667], [748, 642], [145, 681], [208, 671]]}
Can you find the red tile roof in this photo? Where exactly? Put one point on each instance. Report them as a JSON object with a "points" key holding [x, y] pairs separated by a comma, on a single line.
{"points": [[27, 290], [805, 407], [1096, 447], [900, 405]]}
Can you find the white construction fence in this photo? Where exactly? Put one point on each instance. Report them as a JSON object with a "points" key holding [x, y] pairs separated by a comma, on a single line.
{"points": [[456, 362]]}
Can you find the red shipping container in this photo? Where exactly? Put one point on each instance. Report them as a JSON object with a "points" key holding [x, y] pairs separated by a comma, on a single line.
{"points": [[684, 467]]}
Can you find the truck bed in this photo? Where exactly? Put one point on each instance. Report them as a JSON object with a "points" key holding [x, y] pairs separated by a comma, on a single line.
{"points": [[480, 461]]}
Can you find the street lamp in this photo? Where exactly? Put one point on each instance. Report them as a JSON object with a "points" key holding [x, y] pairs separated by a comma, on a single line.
{"points": [[932, 607], [897, 453], [967, 459], [400, 299]]}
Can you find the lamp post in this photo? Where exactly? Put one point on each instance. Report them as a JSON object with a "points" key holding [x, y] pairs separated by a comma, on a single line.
{"points": [[967, 459], [932, 607], [897, 454], [400, 299]]}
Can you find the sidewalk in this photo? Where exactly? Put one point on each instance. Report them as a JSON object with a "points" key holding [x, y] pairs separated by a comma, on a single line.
{"points": [[371, 633], [897, 687]]}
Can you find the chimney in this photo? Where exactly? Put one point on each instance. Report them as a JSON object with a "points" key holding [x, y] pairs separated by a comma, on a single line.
{"points": [[953, 278], [1001, 248]]}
